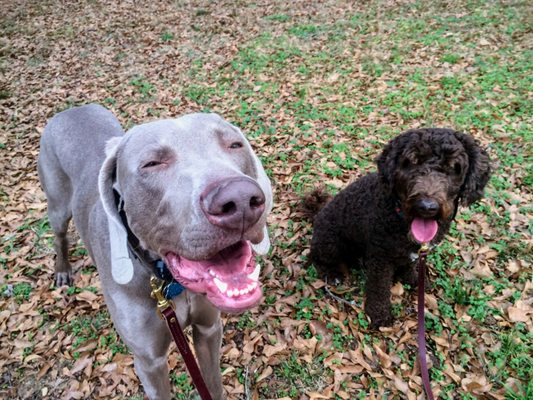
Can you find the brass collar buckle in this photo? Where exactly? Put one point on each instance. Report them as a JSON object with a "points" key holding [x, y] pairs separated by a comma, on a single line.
{"points": [[157, 294]]}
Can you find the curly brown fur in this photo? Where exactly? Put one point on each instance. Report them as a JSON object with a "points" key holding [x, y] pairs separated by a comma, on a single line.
{"points": [[313, 202], [422, 173]]}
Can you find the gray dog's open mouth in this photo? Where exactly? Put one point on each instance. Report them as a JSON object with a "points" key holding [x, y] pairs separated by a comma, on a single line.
{"points": [[230, 279]]}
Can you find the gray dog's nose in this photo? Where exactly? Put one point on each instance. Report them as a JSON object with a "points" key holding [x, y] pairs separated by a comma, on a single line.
{"points": [[426, 207], [233, 203]]}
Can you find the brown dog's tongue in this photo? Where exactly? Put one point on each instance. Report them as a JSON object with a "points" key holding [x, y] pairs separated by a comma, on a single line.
{"points": [[424, 230]]}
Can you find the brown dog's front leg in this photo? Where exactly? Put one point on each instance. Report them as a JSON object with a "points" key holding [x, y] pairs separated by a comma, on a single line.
{"points": [[406, 274], [378, 286]]}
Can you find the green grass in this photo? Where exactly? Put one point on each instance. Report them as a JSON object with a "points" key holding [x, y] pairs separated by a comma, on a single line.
{"points": [[293, 377], [85, 327], [145, 89], [181, 386], [20, 291], [319, 94]]}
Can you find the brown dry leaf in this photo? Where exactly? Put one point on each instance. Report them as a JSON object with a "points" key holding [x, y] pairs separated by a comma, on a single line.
{"points": [[401, 385], [269, 350], [81, 364], [312, 90], [343, 395], [249, 347], [316, 395], [384, 358], [476, 384], [357, 358], [440, 341], [521, 312], [265, 374], [350, 369], [513, 266]]}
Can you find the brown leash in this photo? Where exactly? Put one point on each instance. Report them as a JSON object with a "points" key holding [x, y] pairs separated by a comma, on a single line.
{"points": [[166, 311], [423, 252]]}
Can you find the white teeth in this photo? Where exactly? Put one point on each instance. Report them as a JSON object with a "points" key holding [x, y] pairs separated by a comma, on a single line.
{"points": [[239, 292], [254, 276], [235, 292], [222, 286]]}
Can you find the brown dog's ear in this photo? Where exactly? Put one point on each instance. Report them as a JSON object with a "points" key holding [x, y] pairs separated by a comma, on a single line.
{"points": [[387, 161], [479, 170]]}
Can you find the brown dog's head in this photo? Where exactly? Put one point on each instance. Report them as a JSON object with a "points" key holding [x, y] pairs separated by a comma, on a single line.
{"points": [[430, 171]]}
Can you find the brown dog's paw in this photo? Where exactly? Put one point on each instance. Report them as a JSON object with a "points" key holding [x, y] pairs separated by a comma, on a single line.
{"points": [[380, 315], [335, 275], [334, 278], [382, 320]]}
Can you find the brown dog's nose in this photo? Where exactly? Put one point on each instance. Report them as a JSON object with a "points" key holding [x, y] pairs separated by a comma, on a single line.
{"points": [[426, 207], [233, 203]]}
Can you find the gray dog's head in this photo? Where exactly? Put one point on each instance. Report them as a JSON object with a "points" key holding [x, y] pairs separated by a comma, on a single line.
{"points": [[195, 194]]}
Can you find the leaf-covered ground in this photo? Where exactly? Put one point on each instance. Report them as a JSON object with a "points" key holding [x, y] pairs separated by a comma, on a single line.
{"points": [[318, 87]]}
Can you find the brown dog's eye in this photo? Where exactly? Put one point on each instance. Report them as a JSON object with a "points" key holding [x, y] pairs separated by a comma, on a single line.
{"points": [[406, 163], [457, 168], [235, 145], [151, 164]]}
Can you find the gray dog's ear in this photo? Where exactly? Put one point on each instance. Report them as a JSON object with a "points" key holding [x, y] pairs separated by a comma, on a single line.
{"points": [[479, 170], [121, 265], [262, 247]]}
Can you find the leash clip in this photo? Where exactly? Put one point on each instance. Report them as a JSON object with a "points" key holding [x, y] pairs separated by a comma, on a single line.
{"points": [[424, 249], [157, 294]]}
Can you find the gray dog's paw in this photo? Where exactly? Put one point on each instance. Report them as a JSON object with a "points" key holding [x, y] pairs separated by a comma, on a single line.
{"points": [[63, 278]]}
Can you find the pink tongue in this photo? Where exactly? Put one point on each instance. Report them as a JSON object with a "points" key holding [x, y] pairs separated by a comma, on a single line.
{"points": [[424, 230]]}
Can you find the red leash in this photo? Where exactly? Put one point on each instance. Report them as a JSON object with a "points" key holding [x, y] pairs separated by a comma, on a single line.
{"points": [[421, 322], [166, 311]]}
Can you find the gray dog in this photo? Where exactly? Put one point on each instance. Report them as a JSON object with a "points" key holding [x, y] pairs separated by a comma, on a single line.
{"points": [[194, 195]]}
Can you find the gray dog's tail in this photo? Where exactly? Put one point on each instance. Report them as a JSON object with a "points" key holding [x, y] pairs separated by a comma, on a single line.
{"points": [[312, 202]]}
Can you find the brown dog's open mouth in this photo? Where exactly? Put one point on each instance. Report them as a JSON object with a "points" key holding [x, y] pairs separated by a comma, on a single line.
{"points": [[230, 279]]}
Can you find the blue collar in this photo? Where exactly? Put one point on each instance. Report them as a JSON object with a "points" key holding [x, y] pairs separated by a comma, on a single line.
{"points": [[171, 288]]}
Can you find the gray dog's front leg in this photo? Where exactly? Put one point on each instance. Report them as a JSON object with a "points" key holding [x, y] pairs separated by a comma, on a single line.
{"points": [[151, 362], [148, 338], [207, 338], [153, 371], [151, 357], [207, 341]]}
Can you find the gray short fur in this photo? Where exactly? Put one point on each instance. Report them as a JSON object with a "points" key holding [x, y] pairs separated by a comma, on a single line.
{"points": [[73, 155]]}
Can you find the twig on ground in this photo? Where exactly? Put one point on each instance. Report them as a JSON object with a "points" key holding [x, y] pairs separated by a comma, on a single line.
{"points": [[334, 296], [247, 394]]}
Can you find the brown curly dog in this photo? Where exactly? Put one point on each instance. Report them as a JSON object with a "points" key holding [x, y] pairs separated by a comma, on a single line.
{"points": [[380, 220]]}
